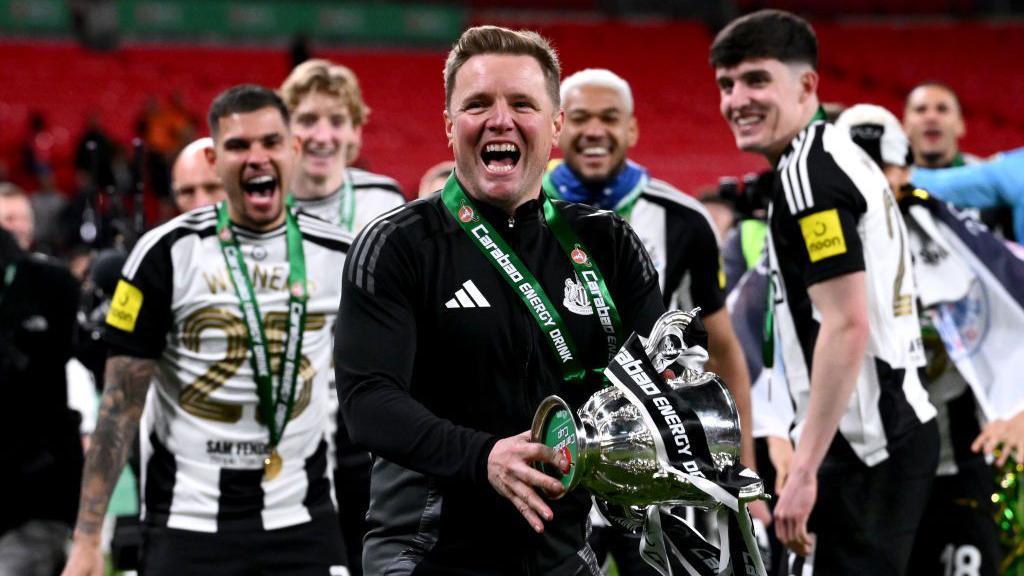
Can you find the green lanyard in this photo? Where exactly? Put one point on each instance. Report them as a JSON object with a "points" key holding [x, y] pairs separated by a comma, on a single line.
{"points": [[347, 203], [511, 268], [346, 206], [9, 273], [275, 405]]}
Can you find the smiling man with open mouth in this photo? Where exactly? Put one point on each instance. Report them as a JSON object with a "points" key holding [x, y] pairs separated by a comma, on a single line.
{"points": [[471, 284], [226, 311], [254, 155]]}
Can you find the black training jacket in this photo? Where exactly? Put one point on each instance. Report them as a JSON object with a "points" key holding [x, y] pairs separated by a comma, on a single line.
{"points": [[437, 358]]}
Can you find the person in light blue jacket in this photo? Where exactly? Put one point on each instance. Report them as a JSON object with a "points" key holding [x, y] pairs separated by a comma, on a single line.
{"points": [[999, 182]]}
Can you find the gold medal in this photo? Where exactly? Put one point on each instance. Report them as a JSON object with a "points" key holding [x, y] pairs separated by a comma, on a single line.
{"points": [[272, 465]]}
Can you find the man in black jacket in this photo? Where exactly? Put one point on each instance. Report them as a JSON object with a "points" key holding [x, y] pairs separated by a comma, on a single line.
{"points": [[461, 312], [42, 462]]}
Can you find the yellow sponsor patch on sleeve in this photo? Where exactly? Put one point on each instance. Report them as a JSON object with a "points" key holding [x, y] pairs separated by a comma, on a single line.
{"points": [[125, 306], [823, 234]]}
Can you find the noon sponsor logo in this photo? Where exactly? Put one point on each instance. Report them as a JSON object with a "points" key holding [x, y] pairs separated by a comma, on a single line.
{"points": [[823, 235], [125, 306]]}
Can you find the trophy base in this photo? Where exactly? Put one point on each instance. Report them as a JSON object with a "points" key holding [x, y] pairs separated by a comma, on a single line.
{"points": [[557, 427]]}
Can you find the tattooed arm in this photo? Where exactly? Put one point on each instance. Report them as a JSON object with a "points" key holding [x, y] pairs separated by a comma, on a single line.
{"points": [[124, 395]]}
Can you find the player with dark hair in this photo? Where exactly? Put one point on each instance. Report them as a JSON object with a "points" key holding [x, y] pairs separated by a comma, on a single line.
{"points": [[228, 311], [843, 309], [934, 123]]}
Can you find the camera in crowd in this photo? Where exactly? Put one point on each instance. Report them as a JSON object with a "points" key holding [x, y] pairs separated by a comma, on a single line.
{"points": [[748, 196]]}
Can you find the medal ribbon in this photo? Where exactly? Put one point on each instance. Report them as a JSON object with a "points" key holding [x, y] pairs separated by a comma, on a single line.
{"points": [[511, 268], [275, 405], [347, 204]]}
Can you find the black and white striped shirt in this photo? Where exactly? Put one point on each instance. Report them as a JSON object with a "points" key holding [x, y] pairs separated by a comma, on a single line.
{"points": [[832, 214], [680, 237], [202, 443]]}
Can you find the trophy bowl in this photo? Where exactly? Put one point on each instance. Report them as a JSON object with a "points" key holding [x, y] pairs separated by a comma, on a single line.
{"points": [[612, 451]]}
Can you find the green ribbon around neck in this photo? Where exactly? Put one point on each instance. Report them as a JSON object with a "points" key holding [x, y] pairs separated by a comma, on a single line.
{"points": [[275, 404], [508, 264]]}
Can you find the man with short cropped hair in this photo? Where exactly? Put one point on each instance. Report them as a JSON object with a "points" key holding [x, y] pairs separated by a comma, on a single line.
{"points": [[843, 309], [228, 310], [193, 181], [466, 289], [676, 229], [934, 124]]}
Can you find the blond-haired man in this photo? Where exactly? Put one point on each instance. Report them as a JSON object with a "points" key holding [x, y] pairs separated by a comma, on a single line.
{"points": [[328, 115]]}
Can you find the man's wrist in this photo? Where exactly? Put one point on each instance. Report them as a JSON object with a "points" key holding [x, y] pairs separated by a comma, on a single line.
{"points": [[85, 538], [802, 471]]}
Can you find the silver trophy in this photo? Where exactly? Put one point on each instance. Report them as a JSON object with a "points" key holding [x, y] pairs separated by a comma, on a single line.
{"points": [[612, 449]]}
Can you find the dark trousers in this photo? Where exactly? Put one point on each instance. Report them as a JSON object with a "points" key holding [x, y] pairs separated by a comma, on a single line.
{"points": [[309, 549], [865, 517], [959, 534]]}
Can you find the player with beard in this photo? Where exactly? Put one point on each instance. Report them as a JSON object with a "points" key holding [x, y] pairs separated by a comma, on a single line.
{"points": [[456, 329], [676, 229], [328, 115], [934, 124], [843, 309], [228, 310]]}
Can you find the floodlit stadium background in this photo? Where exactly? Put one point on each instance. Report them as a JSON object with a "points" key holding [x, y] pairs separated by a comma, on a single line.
{"points": [[146, 50]]}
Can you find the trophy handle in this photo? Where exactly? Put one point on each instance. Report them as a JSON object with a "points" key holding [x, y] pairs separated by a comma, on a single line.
{"points": [[665, 344]]}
